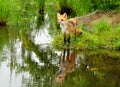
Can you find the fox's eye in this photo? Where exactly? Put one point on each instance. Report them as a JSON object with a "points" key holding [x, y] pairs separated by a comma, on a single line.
{"points": [[62, 20]]}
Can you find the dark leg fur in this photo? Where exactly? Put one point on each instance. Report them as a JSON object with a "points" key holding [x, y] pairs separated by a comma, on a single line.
{"points": [[69, 40], [64, 39]]}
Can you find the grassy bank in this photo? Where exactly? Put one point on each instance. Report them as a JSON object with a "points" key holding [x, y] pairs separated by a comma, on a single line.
{"points": [[103, 36]]}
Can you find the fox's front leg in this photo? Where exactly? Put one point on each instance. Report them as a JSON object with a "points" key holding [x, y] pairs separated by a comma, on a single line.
{"points": [[64, 39], [68, 40]]}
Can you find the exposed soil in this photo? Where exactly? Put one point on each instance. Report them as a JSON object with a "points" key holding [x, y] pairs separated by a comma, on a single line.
{"points": [[89, 19]]}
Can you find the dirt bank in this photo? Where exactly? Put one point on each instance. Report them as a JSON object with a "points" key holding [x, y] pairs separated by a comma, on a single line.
{"points": [[88, 19]]}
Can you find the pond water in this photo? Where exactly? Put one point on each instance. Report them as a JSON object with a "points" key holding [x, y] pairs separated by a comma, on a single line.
{"points": [[29, 60]]}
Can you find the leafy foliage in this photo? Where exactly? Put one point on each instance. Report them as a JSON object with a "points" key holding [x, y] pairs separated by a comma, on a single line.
{"points": [[81, 7]]}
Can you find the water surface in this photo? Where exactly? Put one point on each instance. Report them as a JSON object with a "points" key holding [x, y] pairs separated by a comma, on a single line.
{"points": [[31, 61]]}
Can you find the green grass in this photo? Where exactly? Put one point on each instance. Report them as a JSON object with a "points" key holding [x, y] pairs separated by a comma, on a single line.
{"points": [[17, 11], [76, 7], [4, 9], [10, 11], [103, 36]]}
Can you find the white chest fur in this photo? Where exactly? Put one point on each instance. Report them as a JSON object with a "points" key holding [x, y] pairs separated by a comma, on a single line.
{"points": [[63, 26]]}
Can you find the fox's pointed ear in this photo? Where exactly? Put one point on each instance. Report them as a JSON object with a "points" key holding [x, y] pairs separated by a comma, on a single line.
{"points": [[65, 15], [58, 14]]}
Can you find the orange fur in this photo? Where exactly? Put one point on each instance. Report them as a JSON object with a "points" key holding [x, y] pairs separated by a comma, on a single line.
{"points": [[63, 17], [68, 26]]}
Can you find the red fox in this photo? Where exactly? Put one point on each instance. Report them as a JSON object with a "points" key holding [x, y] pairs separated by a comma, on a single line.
{"points": [[68, 26], [67, 65]]}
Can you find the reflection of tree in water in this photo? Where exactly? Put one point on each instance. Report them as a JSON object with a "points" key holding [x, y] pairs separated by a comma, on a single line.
{"points": [[22, 53], [41, 74]]}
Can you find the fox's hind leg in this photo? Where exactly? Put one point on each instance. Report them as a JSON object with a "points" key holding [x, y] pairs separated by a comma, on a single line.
{"points": [[75, 35]]}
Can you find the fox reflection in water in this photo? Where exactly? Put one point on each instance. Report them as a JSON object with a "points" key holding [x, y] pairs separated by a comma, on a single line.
{"points": [[67, 65]]}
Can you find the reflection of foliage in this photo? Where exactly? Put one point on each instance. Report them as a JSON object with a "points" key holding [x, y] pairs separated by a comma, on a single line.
{"points": [[21, 49], [40, 74], [96, 70], [3, 37]]}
